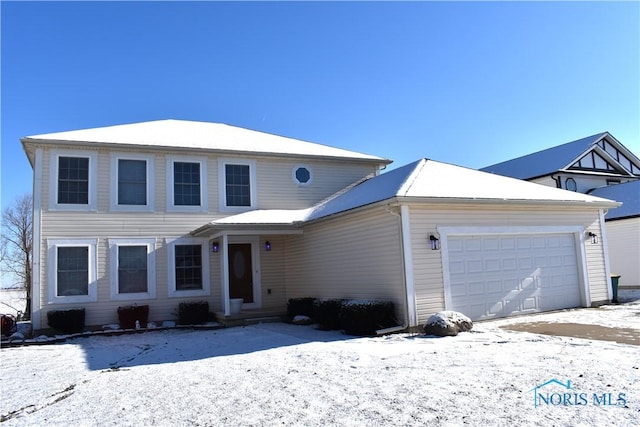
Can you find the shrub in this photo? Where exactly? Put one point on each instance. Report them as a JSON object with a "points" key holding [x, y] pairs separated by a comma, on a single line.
{"points": [[327, 313], [364, 317], [300, 307], [67, 321], [128, 315], [192, 313]]}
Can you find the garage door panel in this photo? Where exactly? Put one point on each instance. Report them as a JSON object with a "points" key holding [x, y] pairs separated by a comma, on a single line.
{"points": [[503, 275]]}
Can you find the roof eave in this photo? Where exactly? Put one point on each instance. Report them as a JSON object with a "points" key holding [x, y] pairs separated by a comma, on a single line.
{"points": [[528, 202]]}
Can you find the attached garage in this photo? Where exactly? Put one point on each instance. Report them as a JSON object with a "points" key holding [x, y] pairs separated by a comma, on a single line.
{"points": [[497, 275]]}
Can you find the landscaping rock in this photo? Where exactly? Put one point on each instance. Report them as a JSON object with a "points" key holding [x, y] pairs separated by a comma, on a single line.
{"points": [[301, 320], [447, 323]]}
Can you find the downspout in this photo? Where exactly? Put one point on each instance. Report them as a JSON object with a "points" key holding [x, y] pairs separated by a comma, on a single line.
{"points": [[558, 181], [408, 266], [605, 253], [37, 241]]}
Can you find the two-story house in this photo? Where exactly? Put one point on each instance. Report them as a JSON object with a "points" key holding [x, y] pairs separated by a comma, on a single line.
{"points": [[602, 166], [169, 211]]}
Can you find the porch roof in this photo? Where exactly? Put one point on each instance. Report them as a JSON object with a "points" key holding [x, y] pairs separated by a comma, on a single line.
{"points": [[261, 221]]}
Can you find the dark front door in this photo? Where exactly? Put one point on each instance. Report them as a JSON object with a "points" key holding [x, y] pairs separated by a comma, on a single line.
{"points": [[240, 272]]}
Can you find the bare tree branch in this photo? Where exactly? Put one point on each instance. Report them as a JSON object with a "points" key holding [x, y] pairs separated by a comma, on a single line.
{"points": [[16, 247]]}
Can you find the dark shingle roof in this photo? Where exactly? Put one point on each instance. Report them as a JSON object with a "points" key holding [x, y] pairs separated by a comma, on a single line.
{"points": [[627, 193], [544, 162]]}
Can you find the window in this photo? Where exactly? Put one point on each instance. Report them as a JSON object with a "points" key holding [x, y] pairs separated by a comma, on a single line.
{"points": [[186, 184], [237, 185], [188, 268], [570, 184], [73, 180], [72, 270], [302, 175], [131, 182], [132, 269]]}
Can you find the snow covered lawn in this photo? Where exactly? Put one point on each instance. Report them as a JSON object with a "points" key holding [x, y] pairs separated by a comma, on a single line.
{"points": [[274, 374]]}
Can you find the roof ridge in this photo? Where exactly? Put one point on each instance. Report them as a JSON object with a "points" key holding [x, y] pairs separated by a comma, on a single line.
{"points": [[411, 178]]}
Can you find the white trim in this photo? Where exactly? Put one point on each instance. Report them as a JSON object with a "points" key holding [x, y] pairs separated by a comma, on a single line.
{"points": [[52, 261], [222, 185], [150, 168], [408, 265], [202, 161], [576, 231], [224, 259], [605, 249], [53, 180], [295, 178], [150, 244], [206, 279], [254, 241], [36, 274]]}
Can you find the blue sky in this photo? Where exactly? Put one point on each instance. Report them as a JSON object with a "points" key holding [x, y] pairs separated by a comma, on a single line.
{"points": [[469, 83]]}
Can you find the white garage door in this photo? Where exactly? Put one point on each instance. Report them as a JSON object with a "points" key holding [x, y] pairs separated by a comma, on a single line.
{"points": [[506, 275]]}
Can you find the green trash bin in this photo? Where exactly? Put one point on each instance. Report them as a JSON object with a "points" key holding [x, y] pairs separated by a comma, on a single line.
{"points": [[614, 286]]}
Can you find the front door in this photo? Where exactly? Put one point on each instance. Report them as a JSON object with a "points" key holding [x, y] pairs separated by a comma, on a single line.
{"points": [[240, 272]]}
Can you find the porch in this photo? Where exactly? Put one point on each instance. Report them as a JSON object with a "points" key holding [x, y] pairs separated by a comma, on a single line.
{"points": [[250, 317]]}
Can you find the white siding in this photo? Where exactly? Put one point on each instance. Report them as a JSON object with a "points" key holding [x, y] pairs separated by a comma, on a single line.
{"points": [[275, 187], [623, 237], [427, 264], [355, 256]]}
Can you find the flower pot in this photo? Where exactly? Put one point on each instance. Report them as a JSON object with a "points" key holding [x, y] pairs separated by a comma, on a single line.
{"points": [[128, 315]]}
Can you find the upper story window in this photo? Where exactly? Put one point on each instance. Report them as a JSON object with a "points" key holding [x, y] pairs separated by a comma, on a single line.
{"points": [[131, 182], [72, 270], [73, 180], [132, 269], [188, 268], [186, 184], [237, 185], [570, 184], [302, 175]]}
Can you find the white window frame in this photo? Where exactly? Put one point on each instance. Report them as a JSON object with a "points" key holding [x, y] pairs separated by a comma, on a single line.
{"points": [[52, 255], [150, 244], [206, 280], [53, 180], [148, 207], [222, 184], [295, 178], [171, 207]]}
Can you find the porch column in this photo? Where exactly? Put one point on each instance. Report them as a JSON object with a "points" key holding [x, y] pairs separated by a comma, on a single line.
{"points": [[225, 275]]}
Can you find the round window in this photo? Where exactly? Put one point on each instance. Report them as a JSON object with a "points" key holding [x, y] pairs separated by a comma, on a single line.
{"points": [[302, 175], [571, 184]]}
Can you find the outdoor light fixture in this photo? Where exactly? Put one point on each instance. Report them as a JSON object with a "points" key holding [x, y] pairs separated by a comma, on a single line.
{"points": [[435, 242], [594, 237], [267, 246], [215, 247]]}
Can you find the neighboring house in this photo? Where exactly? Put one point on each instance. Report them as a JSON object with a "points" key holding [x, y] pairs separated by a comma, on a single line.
{"points": [[169, 211], [599, 165]]}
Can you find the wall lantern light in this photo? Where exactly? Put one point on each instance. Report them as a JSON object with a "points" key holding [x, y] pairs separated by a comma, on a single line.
{"points": [[215, 247], [594, 237], [267, 246], [435, 242]]}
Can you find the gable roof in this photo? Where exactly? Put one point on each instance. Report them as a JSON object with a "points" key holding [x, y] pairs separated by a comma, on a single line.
{"points": [[189, 135], [628, 193], [544, 162], [421, 181]]}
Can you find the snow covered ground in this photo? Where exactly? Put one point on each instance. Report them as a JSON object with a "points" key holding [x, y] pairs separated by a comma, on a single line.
{"points": [[275, 374]]}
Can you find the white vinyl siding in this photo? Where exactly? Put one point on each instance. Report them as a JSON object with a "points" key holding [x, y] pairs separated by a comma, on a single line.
{"points": [[623, 237], [427, 264], [356, 256]]}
